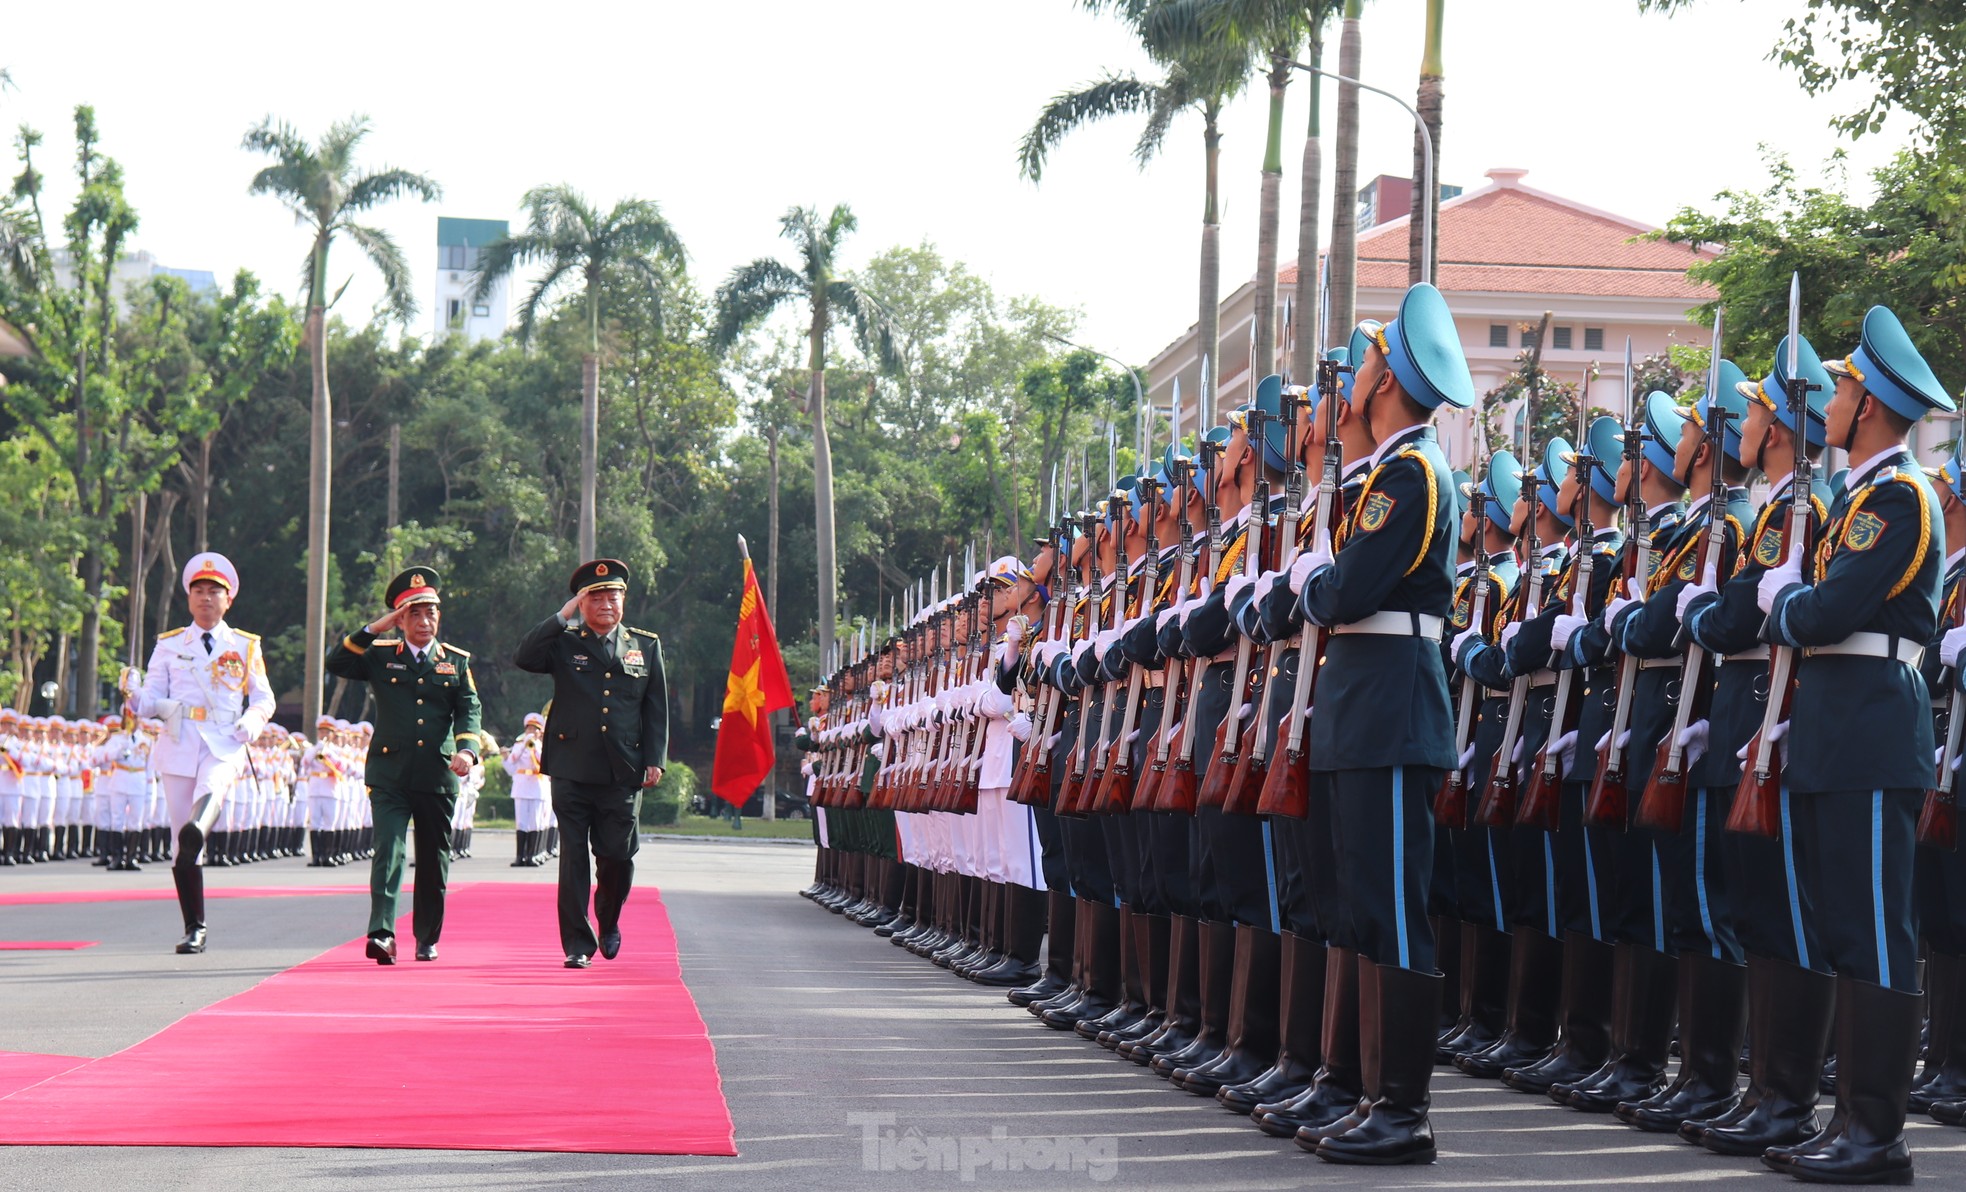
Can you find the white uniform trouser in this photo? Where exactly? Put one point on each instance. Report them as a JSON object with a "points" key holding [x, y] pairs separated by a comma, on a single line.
{"points": [[10, 808], [819, 815], [1010, 839], [122, 802], [66, 789], [199, 798]]}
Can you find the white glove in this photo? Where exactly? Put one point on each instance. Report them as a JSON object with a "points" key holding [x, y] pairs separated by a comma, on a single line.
{"points": [[1515, 755], [1051, 742], [1565, 748], [1467, 755], [1775, 736], [1775, 579], [1104, 642], [1693, 742], [994, 702], [1562, 629], [1306, 564], [1266, 583], [877, 690], [244, 733], [1020, 726], [1461, 639], [1237, 583], [1164, 616], [1013, 631], [876, 720], [1950, 646], [1509, 631], [1612, 610], [1185, 609], [1687, 595], [1243, 710]]}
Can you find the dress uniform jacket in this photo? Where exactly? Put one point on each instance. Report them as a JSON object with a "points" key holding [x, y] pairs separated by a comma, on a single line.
{"points": [[610, 715], [424, 711], [215, 689]]}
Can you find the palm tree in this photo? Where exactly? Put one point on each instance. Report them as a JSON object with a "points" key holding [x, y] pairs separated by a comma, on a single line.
{"points": [[572, 239], [1201, 75], [327, 194], [753, 292], [1426, 206], [1344, 187]]}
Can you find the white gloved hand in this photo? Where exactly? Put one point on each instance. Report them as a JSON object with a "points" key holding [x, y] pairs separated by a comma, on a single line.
{"points": [[1565, 748], [877, 720], [1687, 595], [1185, 610], [1624, 738], [1051, 742], [1164, 616], [1515, 755], [994, 702], [1775, 579], [1013, 631], [1562, 629], [1461, 639], [1509, 631], [877, 691], [1020, 726], [1611, 611], [1103, 643], [1467, 755], [244, 733], [1237, 583], [1306, 564], [1243, 711], [1950, 646], [1775, 736], [1693, 742], [1266, 583]]}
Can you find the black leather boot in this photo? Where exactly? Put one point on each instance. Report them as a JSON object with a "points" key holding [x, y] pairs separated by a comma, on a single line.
{"points": [[1023, 936], [1300, 1018], [1102, 961], [1944, 1076], [1252, 1029], [1584, 1040], [1060, 934], [1535, 987], [1790, 1010], [1131, 1007], [1399, 1028], [1713, 1020], [1336, 1102], [1877, 1033], [1218, 961], [1484, 993], [1643, 1007], [1183, 980], [1075, 988], [1150, 941]]}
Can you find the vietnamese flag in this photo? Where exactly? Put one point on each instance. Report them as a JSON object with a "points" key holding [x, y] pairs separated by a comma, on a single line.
{"points": [[757, 687]]}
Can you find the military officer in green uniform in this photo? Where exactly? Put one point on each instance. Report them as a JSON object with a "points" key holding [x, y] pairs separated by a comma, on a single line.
{"points": [[426, 738], [607, 737]]}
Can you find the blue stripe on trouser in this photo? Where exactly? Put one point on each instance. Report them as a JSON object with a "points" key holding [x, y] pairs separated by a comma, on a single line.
{"points": [[1399, 864], [1700, 870], [1495, 885], [1590, 885], [1658, 906], [1549, 888], [1270, 871], [1795, 895], [1877, 887]]}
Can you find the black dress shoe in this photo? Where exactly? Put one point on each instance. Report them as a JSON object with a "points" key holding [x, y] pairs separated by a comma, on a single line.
{"points": [[576, 960], [193, 942], [382, 949], [610, 944], [426, 951]]}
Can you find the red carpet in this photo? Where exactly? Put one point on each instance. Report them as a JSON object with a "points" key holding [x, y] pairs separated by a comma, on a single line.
{"points": [[20, 1069], [167, 894], [45, 945], [493, 1047]]}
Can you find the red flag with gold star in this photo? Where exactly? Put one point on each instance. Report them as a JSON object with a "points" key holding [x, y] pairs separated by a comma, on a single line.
{"points": [[757, 687]]}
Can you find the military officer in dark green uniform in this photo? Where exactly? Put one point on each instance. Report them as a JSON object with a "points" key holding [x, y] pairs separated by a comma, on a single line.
{"points": [[607, 737], [426, 737]]}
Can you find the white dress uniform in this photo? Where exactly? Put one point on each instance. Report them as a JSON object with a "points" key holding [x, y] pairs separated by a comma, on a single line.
{"points": [[12, 774]]}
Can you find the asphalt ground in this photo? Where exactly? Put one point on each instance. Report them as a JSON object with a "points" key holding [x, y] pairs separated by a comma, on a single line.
{"points": [[847, 1063]]}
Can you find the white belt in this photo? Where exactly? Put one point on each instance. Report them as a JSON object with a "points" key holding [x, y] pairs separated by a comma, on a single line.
{"points": [[1656, 663], [1873, 645], [1398, 624], [1758, 654], [1542, 678]]}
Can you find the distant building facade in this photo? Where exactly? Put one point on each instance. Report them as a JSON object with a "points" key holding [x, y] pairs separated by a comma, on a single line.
{"points": [[132, 270], [460, 243]]}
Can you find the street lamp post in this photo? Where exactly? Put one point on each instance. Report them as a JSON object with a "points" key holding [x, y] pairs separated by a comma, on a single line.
{"points": [[1139, 397], [1427, 181]]}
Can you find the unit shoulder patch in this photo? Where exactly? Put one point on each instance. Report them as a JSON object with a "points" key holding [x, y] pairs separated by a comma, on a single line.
{"points": [[1864, 530], [1768, 547], [1374, 512]]}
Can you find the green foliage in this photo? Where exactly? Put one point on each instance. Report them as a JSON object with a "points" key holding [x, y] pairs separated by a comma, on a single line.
{"points": [[1905, 249], [664, 804]]}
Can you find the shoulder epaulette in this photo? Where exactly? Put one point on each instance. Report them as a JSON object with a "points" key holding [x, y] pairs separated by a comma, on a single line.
{"points": [[387, 641], [1888, 472], [251, 637], [644, 633], [167, 635], [458, 650]]}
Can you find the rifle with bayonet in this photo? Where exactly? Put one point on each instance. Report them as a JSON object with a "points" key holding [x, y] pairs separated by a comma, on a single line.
{"points": [[1246, 786], [1147, 792], [1607, 805], [1451, 801], [1117, 789], [1244, 689], [1177, 785], [1498, 801]]}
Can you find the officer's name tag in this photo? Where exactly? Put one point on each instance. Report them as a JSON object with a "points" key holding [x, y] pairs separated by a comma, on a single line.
{"points": [[396, 666], [446, 668], [632, 658]]}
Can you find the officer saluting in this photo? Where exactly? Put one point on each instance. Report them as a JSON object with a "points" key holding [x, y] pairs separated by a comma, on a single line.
{"points": [[207, 682], [426, 738], [607, 737]]}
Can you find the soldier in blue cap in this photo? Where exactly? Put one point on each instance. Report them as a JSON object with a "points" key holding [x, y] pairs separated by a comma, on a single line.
{"points": [[1517, 667], [1861, 615], [1385, 591], [1482, 886], [1712, 978], [1940, 872]]}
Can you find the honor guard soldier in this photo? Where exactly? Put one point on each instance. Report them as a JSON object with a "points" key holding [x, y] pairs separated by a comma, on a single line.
{"points": [[1941, 869], [1860, 745], [1385, 593], [426, 738], [606, 738], [207, 682]]}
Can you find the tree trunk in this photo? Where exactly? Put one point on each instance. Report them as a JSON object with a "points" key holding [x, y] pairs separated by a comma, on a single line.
{"points": [[87, 700], [1344, 190], [1426, 200], [771, 522], [320, 459], [139, 567], [822, 483], [1304, 324], [1269, 215], [590, 436], [395, 473], [1209, 325], [204, 505], [167, 558]]}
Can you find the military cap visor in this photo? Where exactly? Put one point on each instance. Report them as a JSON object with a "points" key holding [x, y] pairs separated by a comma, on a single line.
{"points": [[417, 585], [1607, 440], [1500, 487], [1731, 400], [1662, 422], [1551, 475], [1889, 367], [211, 567], [599, 575], [1424, 351]]}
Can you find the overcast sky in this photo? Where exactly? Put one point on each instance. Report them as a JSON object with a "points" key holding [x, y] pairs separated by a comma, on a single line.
{"points": [[910, 110]]}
